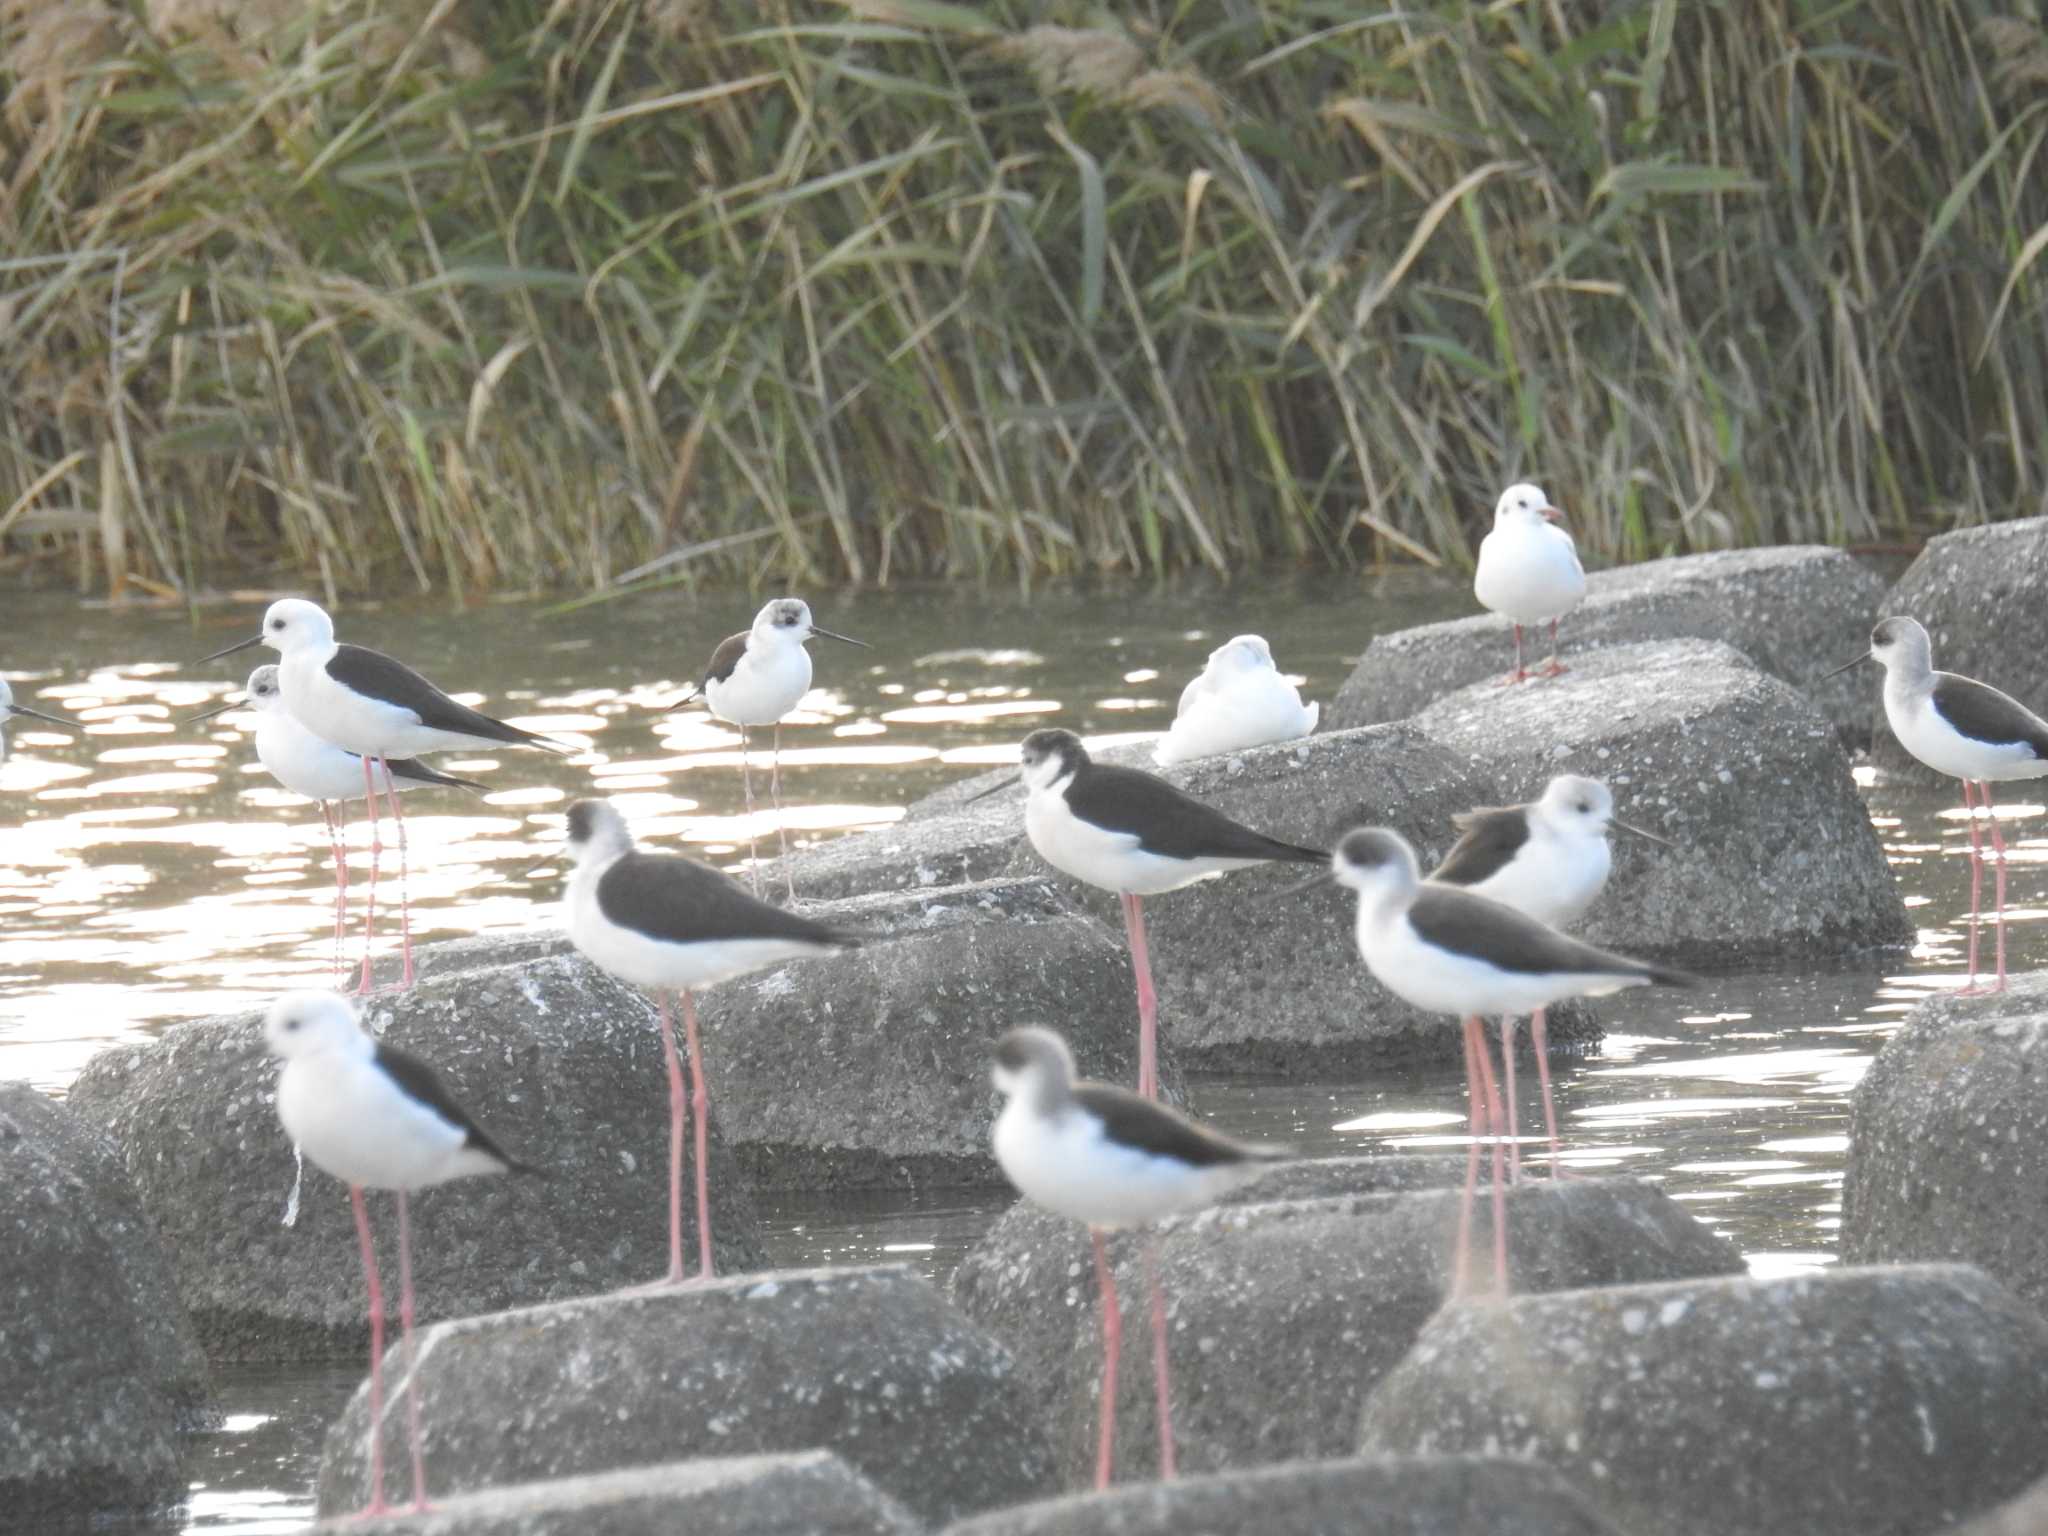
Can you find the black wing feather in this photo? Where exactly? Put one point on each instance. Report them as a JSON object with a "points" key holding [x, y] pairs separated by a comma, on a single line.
{"points": [[419, 773], [1498, 935], [1150, 1126], [422, 1082], [1493, 835], [723, 660], [380, 677], [1984, 714], [666, 896], [1169, 823]]}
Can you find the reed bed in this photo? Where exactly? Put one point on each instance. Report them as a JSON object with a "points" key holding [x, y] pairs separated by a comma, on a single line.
{"points": [[591, 294]]}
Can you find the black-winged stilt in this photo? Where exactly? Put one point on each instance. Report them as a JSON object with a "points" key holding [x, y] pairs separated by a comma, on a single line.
{"points": [[1967, 730], [1107, 1158], [670, 924], [316, 768], [1529, 571], [1240, 700], [1448, 951], [375, 1118], [378, 708], [755, 678], [1128, 831], [1547, 859]]}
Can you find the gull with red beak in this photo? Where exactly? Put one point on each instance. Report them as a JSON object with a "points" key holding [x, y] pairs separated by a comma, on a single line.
{"points": [[1529, 571]]}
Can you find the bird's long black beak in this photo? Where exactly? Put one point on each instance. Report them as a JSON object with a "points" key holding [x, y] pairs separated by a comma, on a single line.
{"points": [[685, 699], [982, 794], [37, 714], [218, 709], [1639, 832], [843, 639], [239, 645], [1845, 666]]}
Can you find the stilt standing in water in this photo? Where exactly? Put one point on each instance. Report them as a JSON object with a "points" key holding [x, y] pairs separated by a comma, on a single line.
{"points": [[375, 1118], [755, 678], [1967, 730], [381, 710], [1108, 1158]]}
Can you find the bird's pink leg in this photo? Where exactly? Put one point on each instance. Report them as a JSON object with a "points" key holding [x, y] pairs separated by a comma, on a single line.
{"points": [[1160, 1387], [1969, 988], [376, 1506], [747, 786], [1507, 1058], [1540, 1039], [1475, 1099], [404, 897], [1520, 674], [700, 1101], [1112, 1338], [1998, 887], [1556, 667], [677, 1109], [376, 858], [1148, 1000], [1497, 1120], [412, 1378], [781, 832]]}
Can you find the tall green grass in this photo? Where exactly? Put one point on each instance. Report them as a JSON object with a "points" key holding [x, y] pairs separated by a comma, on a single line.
{"points": [[570, 294]]}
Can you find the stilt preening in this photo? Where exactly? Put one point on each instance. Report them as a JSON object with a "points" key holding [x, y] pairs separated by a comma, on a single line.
{"points": [[1967, 730], [672, 925], [1529, 571], [375, 1118], [1128, 831], [1548, 859], [10, 710], [1108, 1158], [756, 678], [380, 709], [307, 765], [1239, 701], [1447, 950]]}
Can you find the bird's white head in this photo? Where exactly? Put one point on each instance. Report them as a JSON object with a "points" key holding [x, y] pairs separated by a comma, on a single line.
{"points": [[307, 1023], [1050, 757], [1576, 805], [265, 692], [1033, 1063], [785, 621], [1377, 863], [1901, 645], [597, 832], [1524, 503], [1243, 653], [293, 624]]}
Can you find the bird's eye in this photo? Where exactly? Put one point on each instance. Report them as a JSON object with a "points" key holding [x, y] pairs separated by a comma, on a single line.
{"points": [[277, 623], [291, 1024], [1585, 807]]}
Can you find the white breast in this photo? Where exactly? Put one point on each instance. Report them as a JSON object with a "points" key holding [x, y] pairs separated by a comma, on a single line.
{"points": [[1922, 732], [1441, 982], [1112, 861], [1252, 709], [348, 719], [353, 1123], [1067, 1165], [767, 684], [1551, 879], [660, 966], [1529, 575]]}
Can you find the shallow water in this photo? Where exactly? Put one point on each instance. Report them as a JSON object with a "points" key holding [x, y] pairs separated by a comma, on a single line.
{"points": [[150, 872]]}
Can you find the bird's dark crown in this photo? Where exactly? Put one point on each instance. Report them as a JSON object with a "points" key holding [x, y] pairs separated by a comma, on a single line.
{"points": [[1369, 848], [582, 821], [1053, 742]]}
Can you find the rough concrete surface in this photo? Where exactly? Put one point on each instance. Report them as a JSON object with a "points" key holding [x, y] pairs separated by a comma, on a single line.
{"points": [[1771, 848], [869, 1363], [1978, 592], [1787, 609], [1408, 1496], [809, 1492], [1282, 1316], [558, 1061], [1853, 1402], [99, 1368], [871, 1069], [1948, 1140]]}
